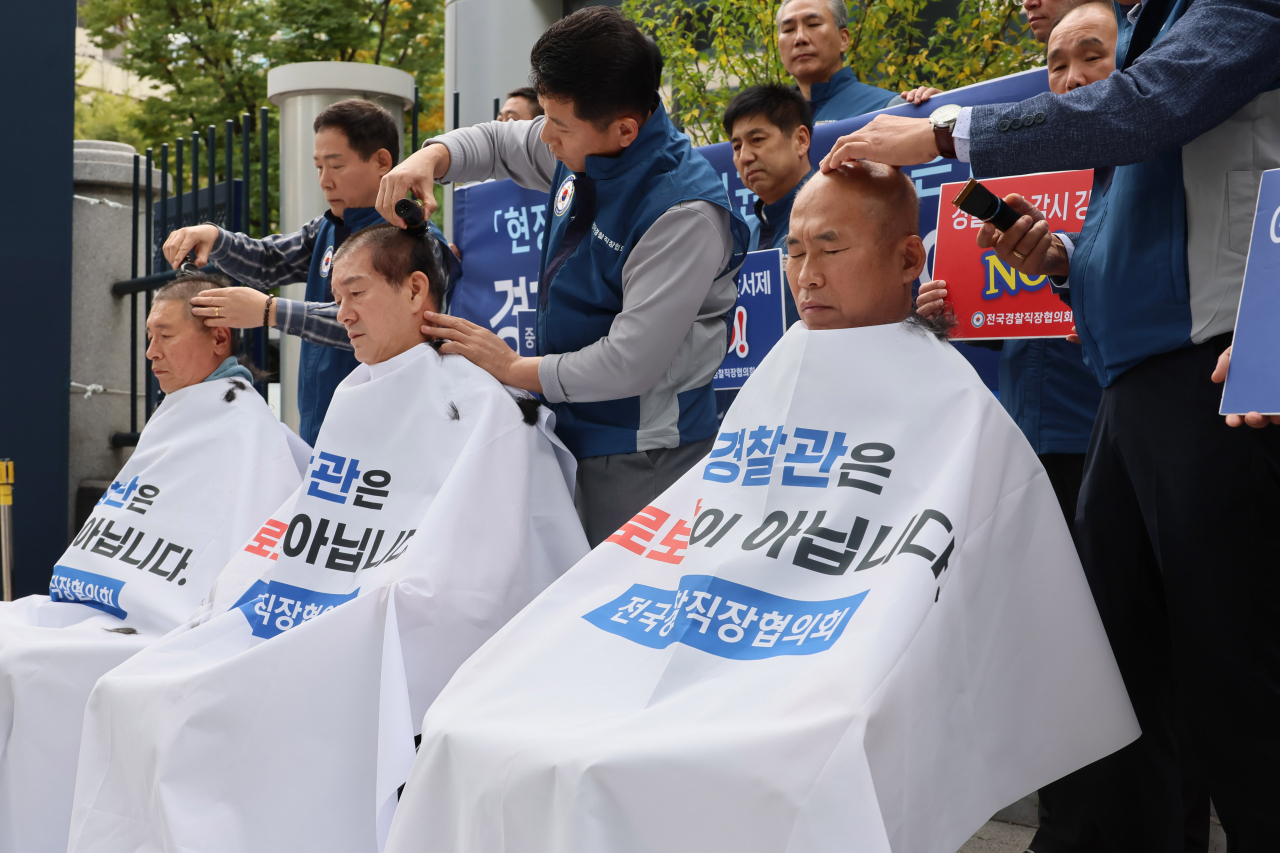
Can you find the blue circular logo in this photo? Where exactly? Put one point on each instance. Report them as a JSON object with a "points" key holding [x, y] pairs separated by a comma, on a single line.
{"points": [[326, 263], [564, 196], [978, 319]]}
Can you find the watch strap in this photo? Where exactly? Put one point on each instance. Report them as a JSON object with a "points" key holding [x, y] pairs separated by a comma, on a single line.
{"points": [[946, 143]]}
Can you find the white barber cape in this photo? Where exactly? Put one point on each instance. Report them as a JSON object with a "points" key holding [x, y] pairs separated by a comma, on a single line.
{"points": [[858, 624], [210, 465], [430, 515]]}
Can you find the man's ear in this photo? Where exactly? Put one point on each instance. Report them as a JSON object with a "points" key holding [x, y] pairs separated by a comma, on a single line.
{"points": [[221, 340], [844, 40], [382, 161], [801, 139], [628, 128], [913, 257], [418, 290]]}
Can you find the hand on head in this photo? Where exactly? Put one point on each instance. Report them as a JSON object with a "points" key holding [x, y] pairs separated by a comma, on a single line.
{"points": [[181, 349], [233, 308]]}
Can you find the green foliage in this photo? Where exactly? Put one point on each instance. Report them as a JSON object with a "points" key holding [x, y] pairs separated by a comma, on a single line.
{"points": [[102, 115], [213, 56], [714, 47]]}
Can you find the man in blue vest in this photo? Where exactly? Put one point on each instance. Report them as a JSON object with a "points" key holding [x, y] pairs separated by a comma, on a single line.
{"points": [[638, 263], [812, 38], [357, 142], [1176, 519], [770, 128]]}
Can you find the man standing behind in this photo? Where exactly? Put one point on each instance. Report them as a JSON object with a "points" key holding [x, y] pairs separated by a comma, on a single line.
{"points": [[812, 38], [637, 269], [770, 128], [521, 105]]}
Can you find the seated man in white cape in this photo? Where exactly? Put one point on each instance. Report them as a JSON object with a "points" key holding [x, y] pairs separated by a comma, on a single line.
{"points": [[437, 505], [210, 465], [764, 659]]}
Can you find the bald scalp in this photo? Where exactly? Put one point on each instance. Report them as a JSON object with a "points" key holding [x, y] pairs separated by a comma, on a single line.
{"points": [[885, 194]]}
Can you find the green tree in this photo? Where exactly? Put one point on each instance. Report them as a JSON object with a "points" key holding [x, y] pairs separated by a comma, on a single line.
{"points": [[213, 55], [714, 47], [102, 115]]}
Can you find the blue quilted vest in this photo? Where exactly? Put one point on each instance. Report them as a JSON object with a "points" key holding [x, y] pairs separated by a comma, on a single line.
{"points": [[1130, 288], [321, 368], [581, 293]]}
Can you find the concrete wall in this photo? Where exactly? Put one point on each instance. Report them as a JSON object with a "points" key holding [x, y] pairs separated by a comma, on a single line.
{"points": [[100, 224]]}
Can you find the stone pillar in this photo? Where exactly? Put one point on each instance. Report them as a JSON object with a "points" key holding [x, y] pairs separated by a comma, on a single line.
{"points": [[100, 255], [486, 55], [301, 91]]}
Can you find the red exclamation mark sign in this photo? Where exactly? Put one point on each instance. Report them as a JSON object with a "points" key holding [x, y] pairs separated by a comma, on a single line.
{"points": [[739, 343]]}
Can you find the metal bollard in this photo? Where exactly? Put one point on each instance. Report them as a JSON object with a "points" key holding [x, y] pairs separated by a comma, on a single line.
{"points": [[6, 526]]}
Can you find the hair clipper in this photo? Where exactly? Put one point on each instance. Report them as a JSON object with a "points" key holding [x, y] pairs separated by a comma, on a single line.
{"points": [[980, 203], [411, 212]]}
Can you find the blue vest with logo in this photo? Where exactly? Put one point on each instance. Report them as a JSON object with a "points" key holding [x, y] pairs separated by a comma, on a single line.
{"points": [[845, 96], [580, 293], [321, 368], [1130, 288]]}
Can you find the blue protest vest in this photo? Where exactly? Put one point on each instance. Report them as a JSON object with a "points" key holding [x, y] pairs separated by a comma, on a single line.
{"points": [[1130, 287], [845, 96], [580, 288], [321, 368]]}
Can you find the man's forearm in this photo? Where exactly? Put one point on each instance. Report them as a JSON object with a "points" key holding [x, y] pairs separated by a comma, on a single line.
{"points": [[316, 322], [1214, 60], [498, 150], [265, 263]]}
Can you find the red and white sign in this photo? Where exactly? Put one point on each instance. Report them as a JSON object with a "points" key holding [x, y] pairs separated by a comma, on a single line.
{"points": [[991, 299]]}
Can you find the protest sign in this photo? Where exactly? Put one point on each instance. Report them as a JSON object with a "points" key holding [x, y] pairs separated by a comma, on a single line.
{"points": [[498, 228], [431, 513], [210, 465], [990, 298], [759, 319], [762, 659], [1253, 382]]}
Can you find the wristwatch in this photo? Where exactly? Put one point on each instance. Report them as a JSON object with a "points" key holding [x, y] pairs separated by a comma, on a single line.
{"points": [[943, 121]]}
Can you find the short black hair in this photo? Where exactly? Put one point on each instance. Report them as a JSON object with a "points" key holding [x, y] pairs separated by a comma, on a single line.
{"points": [[397, 254], [529, 95], [598, 59], [367, 126], [783, 106]]}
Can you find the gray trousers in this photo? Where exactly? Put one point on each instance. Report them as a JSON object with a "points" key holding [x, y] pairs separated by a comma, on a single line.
{"points": [[611, 489]]}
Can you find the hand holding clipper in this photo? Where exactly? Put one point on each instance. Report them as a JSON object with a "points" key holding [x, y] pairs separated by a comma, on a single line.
{"points": [[981, 203]]}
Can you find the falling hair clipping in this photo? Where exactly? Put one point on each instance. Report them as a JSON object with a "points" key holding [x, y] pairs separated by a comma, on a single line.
{"points": [[411, 212]]}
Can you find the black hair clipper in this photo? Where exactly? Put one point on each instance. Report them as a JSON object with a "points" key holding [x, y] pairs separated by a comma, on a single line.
{"points": [[410, 211], [980, 203]]}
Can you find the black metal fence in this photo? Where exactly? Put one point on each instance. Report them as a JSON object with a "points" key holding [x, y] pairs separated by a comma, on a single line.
{"points": [[225, 203]]}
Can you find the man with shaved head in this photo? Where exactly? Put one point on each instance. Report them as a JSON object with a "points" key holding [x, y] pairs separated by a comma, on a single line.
{"points": [[854, 248], [763, 658]]}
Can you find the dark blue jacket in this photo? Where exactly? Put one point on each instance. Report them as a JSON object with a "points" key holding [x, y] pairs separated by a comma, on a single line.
{"points": [[1050, 393], [1185, 69], [844, 96], [321, 368], [580, 289]]}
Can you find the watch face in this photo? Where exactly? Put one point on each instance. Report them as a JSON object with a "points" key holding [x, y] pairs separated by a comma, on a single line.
{"points": [[945, 114]]}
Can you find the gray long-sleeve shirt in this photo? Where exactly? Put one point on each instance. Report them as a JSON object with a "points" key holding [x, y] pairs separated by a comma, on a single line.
{"points": [[669, 336]]}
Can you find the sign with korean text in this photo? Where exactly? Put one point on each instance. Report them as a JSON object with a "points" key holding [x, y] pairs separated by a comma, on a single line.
{"points": [[1253, 381], [498, 227], [759, 319], [990, 298]]}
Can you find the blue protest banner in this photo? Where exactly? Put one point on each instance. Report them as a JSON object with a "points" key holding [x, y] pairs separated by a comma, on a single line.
{"points": [[1253, 382], [759, 319], [527, 333], [498, 227]]}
